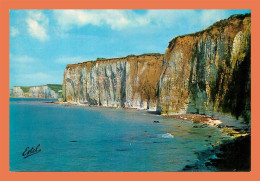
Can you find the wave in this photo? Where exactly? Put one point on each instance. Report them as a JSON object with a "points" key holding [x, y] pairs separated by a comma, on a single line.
{"points": [[167, 135]]}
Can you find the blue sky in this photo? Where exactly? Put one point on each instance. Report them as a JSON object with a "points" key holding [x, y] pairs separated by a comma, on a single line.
{"points": [[43, 42]]}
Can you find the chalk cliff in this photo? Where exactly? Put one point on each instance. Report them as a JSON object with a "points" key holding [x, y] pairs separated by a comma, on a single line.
{"points": [[209, 71], [205, 72], [49, 91], [128, 82]]}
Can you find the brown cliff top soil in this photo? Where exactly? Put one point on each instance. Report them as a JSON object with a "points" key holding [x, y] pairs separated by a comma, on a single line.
{"points": [[218, 25], [112, 60]]}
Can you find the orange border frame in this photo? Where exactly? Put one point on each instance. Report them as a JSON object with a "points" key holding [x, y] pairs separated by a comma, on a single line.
{"points": [[5, 5]]}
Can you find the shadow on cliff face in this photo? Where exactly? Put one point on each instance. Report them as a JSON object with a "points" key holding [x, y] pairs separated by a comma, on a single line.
{"points": [[233, 155], [238, 98]]}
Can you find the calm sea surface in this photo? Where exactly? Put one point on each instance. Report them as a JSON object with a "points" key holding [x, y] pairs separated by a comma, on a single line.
{"points": [[76, 138]]}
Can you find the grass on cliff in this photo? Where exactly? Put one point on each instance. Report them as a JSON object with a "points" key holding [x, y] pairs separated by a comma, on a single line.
{"points": [[55, 87], [25, 89]]}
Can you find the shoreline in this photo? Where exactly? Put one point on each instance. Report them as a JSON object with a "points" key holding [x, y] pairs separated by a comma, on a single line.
{"points": [[227, 124], [232, 155], [86, 105]]}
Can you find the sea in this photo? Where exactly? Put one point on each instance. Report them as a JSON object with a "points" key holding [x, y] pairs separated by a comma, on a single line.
{"points": [[52, 137]]}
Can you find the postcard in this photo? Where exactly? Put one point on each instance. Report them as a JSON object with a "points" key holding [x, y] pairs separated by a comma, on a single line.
{"points": [[109, 90]]}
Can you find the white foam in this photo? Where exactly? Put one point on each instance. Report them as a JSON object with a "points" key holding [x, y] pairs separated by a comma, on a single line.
{"points": [[167, 135]]}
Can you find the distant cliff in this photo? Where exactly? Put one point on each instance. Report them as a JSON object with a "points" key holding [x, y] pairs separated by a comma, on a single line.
{"points": [[49, 91], [130, 82], [204, 72], [209, 71]]}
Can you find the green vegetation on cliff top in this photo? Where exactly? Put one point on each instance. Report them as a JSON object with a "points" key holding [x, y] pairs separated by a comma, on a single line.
{"points": [[54, 87], [25, 89]]}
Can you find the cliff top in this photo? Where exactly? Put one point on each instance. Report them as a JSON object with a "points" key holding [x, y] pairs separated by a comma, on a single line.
{"points": [[39, 85], [221, 23], [55, 87], [118, 58]]}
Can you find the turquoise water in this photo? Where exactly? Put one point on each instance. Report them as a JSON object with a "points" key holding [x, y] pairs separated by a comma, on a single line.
{"points": [[77, 138]]}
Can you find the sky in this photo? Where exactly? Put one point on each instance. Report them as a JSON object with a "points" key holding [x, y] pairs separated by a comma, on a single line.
{"points": [[43, 42]]}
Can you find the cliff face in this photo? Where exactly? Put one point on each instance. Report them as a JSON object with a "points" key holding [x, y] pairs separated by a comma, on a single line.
{"points": [[209, 71], [130, 82], [49, 91], [204, 72]]}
